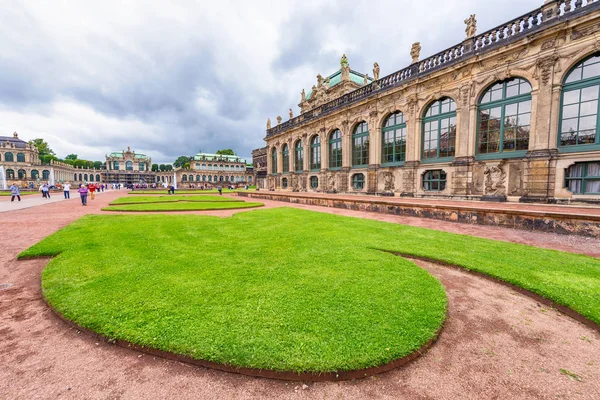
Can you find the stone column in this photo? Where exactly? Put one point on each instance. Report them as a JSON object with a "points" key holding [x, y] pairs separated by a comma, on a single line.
{"points": [[306, 147], [374, 151], [413, 146], [466, 120]]}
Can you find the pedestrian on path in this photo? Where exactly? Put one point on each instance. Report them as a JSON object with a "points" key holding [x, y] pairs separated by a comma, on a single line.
{"points": [[45, 191], [92, 189], [220, 189], [15, 192], [67, 190], [83, 192]]}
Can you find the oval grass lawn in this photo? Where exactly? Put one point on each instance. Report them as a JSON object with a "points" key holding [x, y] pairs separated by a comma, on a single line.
{"points": [[283, 290], [166, 199], [183, 206]]}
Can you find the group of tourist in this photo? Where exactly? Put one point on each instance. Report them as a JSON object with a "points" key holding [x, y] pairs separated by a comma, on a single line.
{"points": [[83, 190]]}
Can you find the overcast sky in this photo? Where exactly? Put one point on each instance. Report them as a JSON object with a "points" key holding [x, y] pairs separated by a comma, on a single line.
{"points": [[172, 78]]}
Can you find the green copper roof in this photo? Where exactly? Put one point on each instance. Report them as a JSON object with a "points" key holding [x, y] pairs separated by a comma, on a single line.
{"points": [[217, 157], [120, 154], [336, 78]]}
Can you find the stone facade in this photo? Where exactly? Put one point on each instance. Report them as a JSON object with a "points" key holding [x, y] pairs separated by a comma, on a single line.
{"points": [[477, 155], [259, 163], [128, 167], [22, 166], [210, 170]]}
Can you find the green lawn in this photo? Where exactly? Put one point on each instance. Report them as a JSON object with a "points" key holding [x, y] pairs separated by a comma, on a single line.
{"points": [[169, 199], [22, 193], [183, 206], [180, 191], [282, 289]]}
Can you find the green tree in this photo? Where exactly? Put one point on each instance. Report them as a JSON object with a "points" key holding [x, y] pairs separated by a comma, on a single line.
{"points": [[45, 159], [98, 164], [187, 165], [169, 167], [155, 168], [225, 152], [71, 157], [43, 147], [181, 160], [162, 167]]}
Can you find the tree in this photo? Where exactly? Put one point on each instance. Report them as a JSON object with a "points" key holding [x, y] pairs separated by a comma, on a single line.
{"points": [[225, 152], [181, 160], [162, 167], [98, 164], [169, 167], [43, 147], [155, 168], [45, 159], [187, 165], [71, 157]]}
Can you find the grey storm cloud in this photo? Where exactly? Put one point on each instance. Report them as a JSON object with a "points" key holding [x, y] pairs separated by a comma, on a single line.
{"points": [[173, 78]]}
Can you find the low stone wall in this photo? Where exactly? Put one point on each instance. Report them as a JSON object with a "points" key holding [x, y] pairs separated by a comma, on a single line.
{"points": [[543, 221]]}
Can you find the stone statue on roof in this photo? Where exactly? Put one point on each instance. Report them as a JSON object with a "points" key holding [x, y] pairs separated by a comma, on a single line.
{"points": [[268, 123], [291, 114], [366, 79], [376, 71], [326, 83], [471, 28], [303, 94], [319, 80], [279, 119], [344, 61], [415, 51]]}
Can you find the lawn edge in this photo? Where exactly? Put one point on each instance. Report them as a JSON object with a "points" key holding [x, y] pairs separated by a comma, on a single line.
{"points": [[181, 210], [535, 296], [256, 372], [177, 201]]}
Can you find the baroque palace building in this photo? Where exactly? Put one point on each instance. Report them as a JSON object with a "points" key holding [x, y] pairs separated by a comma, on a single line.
{"points": [[129, 168], [512, 113], [21, 164], [213, 169]]}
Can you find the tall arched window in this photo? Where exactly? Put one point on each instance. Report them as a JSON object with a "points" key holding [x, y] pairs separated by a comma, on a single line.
{"points": [[21, 174], [298, 157], [91, 177], [197, 178], [215, 178], [315, 153], [504, 117], [10, 174], [35, 174], [8, 157], [360, 145], [115, 166], [20, 157], [285, 155], [45, 174], [204, 166], [393, 137], [74, 177], [128, 166], [439, 130], [203, 178], [273, 160], [97, 177], [580, 107], [85, 176], [80, 178], [335, 149], [142, 166]]}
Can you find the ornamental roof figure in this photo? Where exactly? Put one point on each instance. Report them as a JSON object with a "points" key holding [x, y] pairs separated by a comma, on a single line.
{"points": [[415, 51], [344, 61], [335, 78], [376, 71], [471, 28]]}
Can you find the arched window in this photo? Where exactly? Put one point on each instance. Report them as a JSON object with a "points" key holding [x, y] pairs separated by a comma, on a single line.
{"points": [[284, 183], [434, 181], [8, 157], [184, 178], [439, 130], [583, 178], [393, 137], [20, 157], [97, 177], [315, 153], [204, 166], [285, 155], [360, 145], [210, 178], [231, 178], [35, 174], [215, 178], [203, 178], [74, 177], [22, 174], [298, 157], [10, 174], [85, 177], [314, 182], [358, 181], [80, 178], [221, 168], [91, 177], [335, 149], [115, 166], [197, 178], [128, 166], [504, 117], [580, 106], [142, 166], [45, 174], [221, 178], [273, 160]]}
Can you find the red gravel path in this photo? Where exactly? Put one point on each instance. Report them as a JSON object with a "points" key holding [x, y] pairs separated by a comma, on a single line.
{"points": [[496, 343]]}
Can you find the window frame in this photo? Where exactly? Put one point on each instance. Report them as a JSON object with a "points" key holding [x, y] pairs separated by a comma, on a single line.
{"points": [[285, 159], [438, 117], [440, 181], [274, 161], [299, 156], [583, 178], [312, 180], [358, 154], [315, 149], [393, 128], [502, 104], [356, 180], [339, 157]]}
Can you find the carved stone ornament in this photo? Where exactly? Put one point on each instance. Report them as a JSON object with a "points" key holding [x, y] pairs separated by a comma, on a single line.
{"points": [[331, 182], [471, 28], [495, 177], [319, 80], [465, 92], [376, 71], [389, 184], [544, 66], [415, 51], [411, 105], [344, 61], [279, 119], [268, 123]]}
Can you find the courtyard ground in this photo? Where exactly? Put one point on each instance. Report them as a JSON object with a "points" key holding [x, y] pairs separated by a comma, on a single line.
{"points": [[495, 344]]}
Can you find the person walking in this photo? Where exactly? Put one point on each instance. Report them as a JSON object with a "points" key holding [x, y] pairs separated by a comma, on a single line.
{"points": [[220, 189], [67, 190], [83, 193], [45, 191], [14, 192], [92, 190]]}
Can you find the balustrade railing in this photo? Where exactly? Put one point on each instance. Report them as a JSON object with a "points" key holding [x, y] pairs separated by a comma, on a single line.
{"points": [[498, 36]]}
